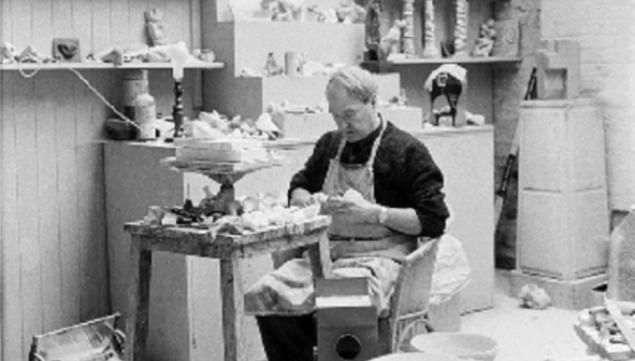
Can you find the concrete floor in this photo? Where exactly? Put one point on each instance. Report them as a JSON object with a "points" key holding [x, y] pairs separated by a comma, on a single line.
{"points": [[525, 334]]}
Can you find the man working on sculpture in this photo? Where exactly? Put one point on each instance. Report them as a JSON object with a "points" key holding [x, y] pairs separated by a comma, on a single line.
{"points": [[384, 193]]}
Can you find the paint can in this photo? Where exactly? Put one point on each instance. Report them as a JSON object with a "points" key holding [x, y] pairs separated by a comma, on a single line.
{"points": [[135, 82]]}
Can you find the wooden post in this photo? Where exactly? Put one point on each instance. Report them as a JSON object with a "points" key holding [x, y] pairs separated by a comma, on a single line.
{"points": [[430, 48], [409, 30], [233, 309], [138, 301]]}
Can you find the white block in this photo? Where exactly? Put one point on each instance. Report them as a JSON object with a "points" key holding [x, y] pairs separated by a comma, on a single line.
{"points": [[562, 145], [563, 219]]}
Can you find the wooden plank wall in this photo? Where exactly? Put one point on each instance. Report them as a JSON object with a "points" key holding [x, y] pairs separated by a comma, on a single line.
{"points": [[52, 217]]}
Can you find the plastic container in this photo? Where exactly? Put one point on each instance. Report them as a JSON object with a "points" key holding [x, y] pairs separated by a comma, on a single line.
{"points": [[417, 356], [461, 345]]}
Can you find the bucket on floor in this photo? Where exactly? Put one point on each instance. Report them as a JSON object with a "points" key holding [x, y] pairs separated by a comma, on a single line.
{"points": [[461, 345], [417, 356]]}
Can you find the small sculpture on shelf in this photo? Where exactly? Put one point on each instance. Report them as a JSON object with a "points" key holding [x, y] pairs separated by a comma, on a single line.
{"points": [[430, 49], [66, 50], [373, 36], [349, 12], [284, 10], [485, 42], [448, 80], [272, 67], [390, 44], [460, 28], [155, 27]]}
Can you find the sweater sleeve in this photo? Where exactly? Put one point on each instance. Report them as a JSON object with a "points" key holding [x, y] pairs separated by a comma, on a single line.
{"points": [[312, 176], [425, 183]]}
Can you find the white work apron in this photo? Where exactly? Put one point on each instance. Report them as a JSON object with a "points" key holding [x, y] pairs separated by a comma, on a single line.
{"points": [[370, 251]]}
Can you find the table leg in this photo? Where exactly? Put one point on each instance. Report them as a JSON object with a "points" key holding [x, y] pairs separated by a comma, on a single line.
{"points": [[320, 256], [233, 309], [138, 301]]}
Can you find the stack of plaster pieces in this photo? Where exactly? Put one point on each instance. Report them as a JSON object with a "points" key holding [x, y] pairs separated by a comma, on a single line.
{"points": [[234, 217], [215, 138]]}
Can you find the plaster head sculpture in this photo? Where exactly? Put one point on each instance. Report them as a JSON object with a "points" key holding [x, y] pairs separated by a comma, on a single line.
{"points": [[352, 97]]}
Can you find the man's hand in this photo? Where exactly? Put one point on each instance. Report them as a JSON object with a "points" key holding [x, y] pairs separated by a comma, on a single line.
{"points": [[300, 197], [357, 212]]}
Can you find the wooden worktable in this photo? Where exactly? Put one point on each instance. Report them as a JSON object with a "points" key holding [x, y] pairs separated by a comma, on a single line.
{"points": [[228, 249]]}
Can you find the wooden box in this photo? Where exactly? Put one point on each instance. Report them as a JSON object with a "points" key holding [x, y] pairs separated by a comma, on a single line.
{"points": [[346, 320]]}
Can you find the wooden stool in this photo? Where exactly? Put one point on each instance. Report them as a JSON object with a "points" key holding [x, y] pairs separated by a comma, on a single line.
{"points": [[228, 249]]}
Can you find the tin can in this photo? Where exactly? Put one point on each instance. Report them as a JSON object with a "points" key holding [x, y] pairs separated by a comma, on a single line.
{"points": [[135, 82]]}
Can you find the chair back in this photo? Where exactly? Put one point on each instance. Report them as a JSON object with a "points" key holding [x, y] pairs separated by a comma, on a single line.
{"points": [[409, 303]]}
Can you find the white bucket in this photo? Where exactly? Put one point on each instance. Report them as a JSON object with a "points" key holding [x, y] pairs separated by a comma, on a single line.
{"points": [[461, 345]]}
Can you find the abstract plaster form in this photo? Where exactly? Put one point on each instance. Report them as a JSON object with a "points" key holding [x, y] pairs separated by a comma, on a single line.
{"points": [[430, 49]]}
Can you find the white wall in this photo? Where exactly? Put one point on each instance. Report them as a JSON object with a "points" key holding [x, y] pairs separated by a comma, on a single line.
{"points": [[606, 33]]}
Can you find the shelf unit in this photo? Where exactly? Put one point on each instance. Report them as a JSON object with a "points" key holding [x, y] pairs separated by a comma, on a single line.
{"points": [[97, 66]]}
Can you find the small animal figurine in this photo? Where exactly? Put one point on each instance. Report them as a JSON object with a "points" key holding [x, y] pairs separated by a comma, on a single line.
{"points": [[272, 67], [155, 27], [391, 42]]}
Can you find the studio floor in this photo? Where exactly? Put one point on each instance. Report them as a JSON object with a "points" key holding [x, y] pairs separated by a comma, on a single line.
{"points": [[525, 334]]}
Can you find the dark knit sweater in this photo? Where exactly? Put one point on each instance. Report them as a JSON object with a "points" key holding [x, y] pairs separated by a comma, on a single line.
{"points": [[405, 174]]}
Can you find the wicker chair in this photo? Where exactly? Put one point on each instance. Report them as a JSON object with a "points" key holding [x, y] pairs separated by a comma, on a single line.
{"points": [[409, 304]]}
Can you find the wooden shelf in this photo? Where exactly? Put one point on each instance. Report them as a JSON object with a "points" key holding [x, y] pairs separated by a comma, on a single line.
{"points": [[97, 66], [380, 66]]}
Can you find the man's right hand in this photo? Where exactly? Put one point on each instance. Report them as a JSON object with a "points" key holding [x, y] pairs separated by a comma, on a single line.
{"points": [[300, 197]]}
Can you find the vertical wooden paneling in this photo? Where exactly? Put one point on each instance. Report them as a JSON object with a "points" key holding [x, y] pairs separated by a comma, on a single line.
{"points": [[21, 27], [81, 20], [12, 303], [177, 20], [119, 22], [27, 208], [62, 19], [136, 19], [42, 23], [67, 196], [52, 232], [100, 27], [48, 194]]}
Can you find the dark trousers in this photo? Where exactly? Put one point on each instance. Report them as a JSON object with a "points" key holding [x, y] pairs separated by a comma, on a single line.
{"points": [[288, 338]]}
